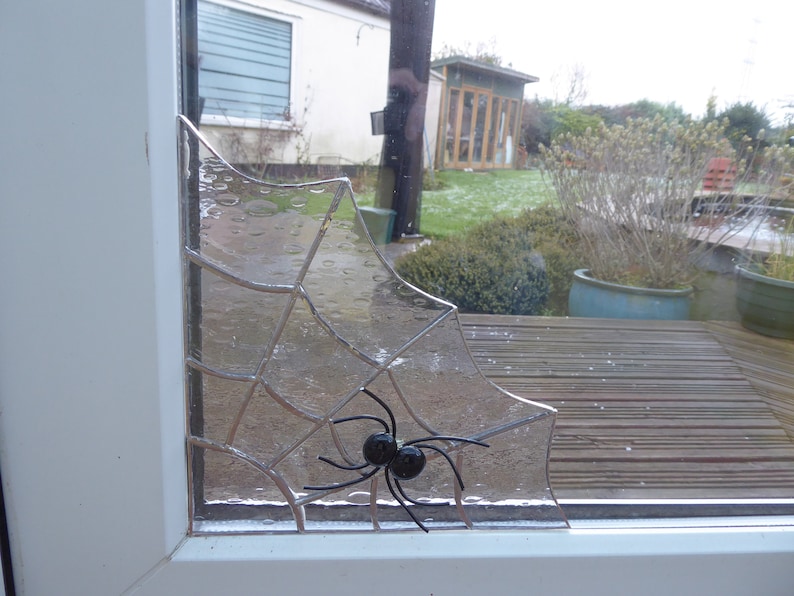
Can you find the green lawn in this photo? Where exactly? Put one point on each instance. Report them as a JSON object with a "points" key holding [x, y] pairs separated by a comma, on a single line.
{"points": [[467, 198]]}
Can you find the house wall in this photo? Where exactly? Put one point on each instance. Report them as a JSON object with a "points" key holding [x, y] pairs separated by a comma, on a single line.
{"points": [[435, 93], [339, 65]]}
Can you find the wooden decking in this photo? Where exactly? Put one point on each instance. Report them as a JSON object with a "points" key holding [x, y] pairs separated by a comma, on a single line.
{"points": [[649, 410]]}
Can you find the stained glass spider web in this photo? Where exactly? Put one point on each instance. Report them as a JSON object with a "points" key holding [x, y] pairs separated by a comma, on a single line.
{"points": [[291, 312]]}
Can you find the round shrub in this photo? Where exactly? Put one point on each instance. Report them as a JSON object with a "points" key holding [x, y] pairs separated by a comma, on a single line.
{"points": [[555, 239], [519, 265], [490, 269]]}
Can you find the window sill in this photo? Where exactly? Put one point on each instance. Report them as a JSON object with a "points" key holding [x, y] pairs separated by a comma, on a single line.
{"points": [[592, 561], [235, 122]]}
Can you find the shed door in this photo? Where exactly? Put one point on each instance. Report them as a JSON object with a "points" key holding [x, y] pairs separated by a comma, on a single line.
{"points": [[479, 130], [467, 116]]}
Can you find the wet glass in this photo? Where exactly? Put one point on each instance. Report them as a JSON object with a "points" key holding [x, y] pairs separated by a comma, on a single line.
{"points": [[308, 343]]}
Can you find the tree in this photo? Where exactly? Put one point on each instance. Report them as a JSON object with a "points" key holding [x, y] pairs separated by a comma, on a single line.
{"points": [[643, 108], [544, 120], [485, 52], [744, 120], [537, 122], [570, 85]]}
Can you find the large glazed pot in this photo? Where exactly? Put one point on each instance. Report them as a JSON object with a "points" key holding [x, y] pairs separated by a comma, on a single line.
{"points": [[591, 297], [765, 304]]}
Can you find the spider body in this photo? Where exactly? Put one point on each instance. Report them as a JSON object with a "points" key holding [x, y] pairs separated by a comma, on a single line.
{"points": [[399, 460], [379, 449]]}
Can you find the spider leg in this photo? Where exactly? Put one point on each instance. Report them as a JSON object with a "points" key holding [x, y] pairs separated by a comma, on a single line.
{"points": [[444, 438], [414, 501], [364, 417], [369, 474], [340, 466], [385, 407], [448, 458], [403, 505]]}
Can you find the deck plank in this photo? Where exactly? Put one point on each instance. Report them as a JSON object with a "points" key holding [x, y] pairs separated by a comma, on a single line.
{"points": [[651, 409]]}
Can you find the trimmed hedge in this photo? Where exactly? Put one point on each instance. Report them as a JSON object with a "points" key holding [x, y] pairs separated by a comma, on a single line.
{"points": [[503, 266]]}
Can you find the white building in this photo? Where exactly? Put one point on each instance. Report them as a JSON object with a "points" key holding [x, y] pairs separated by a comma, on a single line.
{"points": [[293, 82]]}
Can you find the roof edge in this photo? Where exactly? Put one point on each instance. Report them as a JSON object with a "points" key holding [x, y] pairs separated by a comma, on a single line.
{"points": [[377, 7], [485, 67]]}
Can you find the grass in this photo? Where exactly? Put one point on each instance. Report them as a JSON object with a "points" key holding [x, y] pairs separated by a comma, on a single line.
{"points": [[464, 199]]}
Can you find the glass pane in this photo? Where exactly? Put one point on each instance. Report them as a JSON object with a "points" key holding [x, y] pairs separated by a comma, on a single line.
{"points": [[479, 128], [493, 129], [465, 126], [452, 124], [308, 344], [501, 152], [512, 140]]}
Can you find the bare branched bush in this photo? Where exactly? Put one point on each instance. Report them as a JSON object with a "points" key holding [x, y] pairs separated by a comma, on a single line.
{"points": [[636, 195]]}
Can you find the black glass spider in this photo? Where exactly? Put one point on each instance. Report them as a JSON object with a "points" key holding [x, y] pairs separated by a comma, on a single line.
{"points": [[402, 460]]}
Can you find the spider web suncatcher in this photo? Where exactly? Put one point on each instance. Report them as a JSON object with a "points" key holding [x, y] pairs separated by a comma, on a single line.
{"points": [[291, 314]]}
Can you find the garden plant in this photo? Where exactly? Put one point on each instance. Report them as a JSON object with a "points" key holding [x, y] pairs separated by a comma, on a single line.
{"points": [[635, 195]]}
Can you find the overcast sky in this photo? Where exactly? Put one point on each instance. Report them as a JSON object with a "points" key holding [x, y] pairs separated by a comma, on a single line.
{"points": [[673, 51]]}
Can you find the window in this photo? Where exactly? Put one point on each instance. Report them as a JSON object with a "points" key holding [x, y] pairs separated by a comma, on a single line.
{"points": [[244, 64], [91, 372], [288, 232]]}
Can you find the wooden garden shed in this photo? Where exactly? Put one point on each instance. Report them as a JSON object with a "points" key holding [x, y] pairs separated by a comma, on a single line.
{"points": [[480, 118]]}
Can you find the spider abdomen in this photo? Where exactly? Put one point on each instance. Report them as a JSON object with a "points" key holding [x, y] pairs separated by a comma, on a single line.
{"points": [[379, 449], [408, 462]]}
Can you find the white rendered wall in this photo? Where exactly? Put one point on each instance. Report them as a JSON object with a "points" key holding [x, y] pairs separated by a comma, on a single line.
{"points": [[340, 65]]}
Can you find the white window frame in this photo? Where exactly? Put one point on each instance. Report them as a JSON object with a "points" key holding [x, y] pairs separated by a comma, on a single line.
{"points": [[91, 381], [296, 98]]}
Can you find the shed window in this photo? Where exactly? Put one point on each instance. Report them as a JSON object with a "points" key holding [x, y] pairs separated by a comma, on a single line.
{"points": [[244, 64]]}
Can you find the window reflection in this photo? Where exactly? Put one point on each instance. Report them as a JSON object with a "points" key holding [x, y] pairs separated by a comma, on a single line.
{"points": [[480, 121]]}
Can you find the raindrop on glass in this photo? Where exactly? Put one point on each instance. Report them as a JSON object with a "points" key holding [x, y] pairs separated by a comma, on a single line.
{"points": [[293, 248], [227, 199], [261, 208]]}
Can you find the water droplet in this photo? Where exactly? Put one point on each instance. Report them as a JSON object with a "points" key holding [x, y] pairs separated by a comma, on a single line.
{"points": [[220, 186], [299, 202], [261, 208], [345, 246], [227, 199], [293, 248]]}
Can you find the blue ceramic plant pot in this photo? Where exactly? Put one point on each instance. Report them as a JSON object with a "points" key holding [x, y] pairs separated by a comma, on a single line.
{"points": [[765, 304], [590, 297]]}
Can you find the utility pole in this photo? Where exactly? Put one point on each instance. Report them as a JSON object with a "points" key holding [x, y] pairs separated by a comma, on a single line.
{"points": [[400, 177]]}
